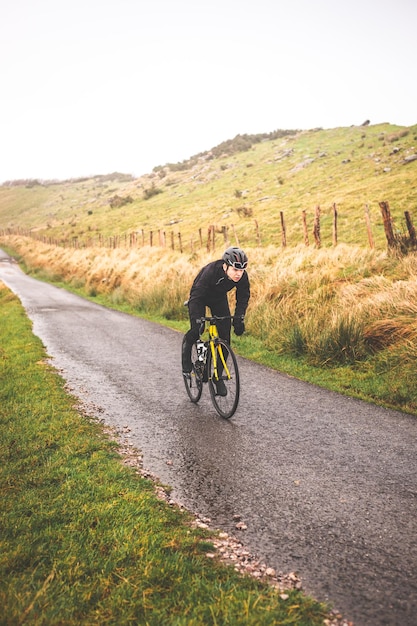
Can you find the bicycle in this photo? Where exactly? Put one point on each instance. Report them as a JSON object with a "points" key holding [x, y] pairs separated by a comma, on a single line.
{"points": [[214, 362]]}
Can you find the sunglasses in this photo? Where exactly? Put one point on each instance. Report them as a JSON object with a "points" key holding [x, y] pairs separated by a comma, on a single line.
{"points": [[239, 266]]}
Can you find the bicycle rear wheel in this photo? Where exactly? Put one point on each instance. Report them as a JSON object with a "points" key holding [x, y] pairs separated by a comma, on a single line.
{"points": [[226, 403], [194, 383]]}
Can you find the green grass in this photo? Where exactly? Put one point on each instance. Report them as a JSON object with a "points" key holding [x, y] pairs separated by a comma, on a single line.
{"points": [[84, 539]]}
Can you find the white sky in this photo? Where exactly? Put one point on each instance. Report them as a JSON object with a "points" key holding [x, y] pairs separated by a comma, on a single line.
{"points": [[96, 86]]}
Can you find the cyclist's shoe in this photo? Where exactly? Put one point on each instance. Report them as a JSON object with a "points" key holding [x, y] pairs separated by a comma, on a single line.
{"points": [[187, 375], [220, 388]]}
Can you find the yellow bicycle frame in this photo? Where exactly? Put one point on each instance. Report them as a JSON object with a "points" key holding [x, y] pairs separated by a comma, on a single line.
{"points": [[213, 335]]}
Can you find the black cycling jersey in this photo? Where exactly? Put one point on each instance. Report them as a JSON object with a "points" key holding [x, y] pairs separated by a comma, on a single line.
{"points": [[211, 285]]}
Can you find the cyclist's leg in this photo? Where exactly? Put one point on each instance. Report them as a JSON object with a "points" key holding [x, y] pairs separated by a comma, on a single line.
{"points": [[195, 310], [189, 339]]}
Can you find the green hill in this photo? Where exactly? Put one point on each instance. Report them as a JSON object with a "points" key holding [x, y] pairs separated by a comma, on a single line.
{"points": [[245, 185]]}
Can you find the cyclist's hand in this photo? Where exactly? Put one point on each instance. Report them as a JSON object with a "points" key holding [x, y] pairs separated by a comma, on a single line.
{"points": [[239, 326]]}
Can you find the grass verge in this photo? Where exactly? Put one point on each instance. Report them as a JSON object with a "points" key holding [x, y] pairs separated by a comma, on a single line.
{"points": [[86, 540]]}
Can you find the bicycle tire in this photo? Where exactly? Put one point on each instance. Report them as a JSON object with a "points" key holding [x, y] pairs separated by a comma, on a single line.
{"points": [[194, 384], [225, 405]]}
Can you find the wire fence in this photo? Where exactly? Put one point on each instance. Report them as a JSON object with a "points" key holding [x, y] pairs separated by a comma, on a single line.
{"points": [[214, 236]]}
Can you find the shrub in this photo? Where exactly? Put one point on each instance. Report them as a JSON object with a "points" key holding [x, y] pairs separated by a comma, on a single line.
{"points": [[244, 211], [151, 191], [118, 201], [295, 342], [341, 343]]}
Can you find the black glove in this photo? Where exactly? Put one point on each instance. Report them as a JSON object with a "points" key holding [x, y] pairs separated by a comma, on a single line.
{"points": [[239, 326]]}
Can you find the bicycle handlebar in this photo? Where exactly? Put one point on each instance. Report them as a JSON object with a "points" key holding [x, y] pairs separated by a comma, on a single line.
{"points": [[215, 318]]}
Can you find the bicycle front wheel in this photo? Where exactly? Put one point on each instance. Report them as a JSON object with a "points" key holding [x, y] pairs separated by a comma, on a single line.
{"points": [[224, 384], [194, 382]]}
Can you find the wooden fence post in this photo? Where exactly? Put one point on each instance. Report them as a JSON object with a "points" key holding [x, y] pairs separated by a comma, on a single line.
{"points": [[389, 231], [334, 224], [210, 239], [180, 242], [225, 238], [283, 230], [368, 228], [316, 227], [235, 235], [172, 240], [410, 228], [306, 240], [200, 234]]}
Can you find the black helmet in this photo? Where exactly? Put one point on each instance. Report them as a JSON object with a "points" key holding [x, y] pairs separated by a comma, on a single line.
{"points": [[236, 258]]}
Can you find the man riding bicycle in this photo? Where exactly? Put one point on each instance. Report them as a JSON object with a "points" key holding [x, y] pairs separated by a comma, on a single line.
{"points": [[210, 289]]}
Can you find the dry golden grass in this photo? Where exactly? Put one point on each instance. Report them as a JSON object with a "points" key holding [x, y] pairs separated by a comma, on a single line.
{"points": [[342, 306], [304, 287]]}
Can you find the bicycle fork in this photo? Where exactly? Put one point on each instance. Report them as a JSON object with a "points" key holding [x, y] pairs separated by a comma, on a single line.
{"points": [[218, 368]]}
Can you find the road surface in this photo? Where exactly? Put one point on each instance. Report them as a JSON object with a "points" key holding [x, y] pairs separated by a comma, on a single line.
{"points": [[325, 484]]}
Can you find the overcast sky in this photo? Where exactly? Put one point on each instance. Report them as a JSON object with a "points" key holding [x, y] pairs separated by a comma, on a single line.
{"points": [[96, 86]]}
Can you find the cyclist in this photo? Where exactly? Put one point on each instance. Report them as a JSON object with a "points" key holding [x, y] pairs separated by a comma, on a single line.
{"points": [[210, 289]]}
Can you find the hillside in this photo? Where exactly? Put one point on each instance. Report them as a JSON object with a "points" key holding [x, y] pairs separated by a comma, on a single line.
{"points": [[245, 186]]}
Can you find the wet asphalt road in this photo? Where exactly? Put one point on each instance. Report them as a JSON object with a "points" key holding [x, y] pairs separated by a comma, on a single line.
{"points": [[327, 485]]}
